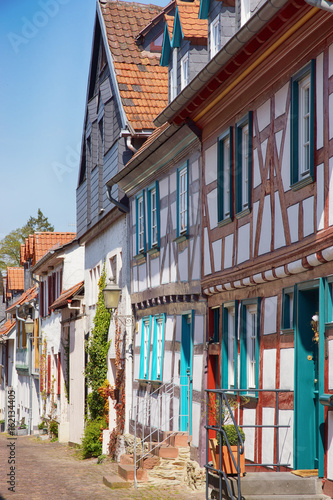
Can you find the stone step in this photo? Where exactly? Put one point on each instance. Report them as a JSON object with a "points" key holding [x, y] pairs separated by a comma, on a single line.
{"points": [[178, 439], [286, 497], [278, 483], [165, 451], [115, 482], [272, 486], [126, 471]]}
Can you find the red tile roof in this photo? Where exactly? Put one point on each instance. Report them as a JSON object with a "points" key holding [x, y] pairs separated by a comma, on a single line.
{"points": [[143, 83], [7, 327], [15, 278], [38, 244], [67, 295], [193, 28], [27, 296]]}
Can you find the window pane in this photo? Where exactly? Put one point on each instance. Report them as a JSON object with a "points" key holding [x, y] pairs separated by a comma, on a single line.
{"points": [[226, 178], [245, 166]]}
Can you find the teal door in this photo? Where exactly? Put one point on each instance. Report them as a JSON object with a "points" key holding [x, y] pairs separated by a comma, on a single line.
{"points": [[306, 382], [186, 374]]}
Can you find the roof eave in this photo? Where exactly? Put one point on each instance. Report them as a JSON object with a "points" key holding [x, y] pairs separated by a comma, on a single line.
{"points": [[250, 29]]}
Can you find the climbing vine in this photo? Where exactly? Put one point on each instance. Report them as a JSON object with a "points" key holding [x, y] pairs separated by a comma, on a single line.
{"points": [[97, 348], [117, 393]]}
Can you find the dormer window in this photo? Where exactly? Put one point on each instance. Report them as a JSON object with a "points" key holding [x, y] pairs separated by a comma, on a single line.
{"points": [[156, 44], [215, 36], [184, 71]]}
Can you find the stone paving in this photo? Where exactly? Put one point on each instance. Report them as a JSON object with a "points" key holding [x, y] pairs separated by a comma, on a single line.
{"points": [[52, 471]]}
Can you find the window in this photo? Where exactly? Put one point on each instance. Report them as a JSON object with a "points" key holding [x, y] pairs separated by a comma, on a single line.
{"points": [[184, 71], [302, 127], [249, 345], [157, 361], [152, 340], [140, 224], [182, 200], [229, 345], [225, 176], [287, 322], [153, 217], [156, 44], [215, 36], [243, 160]]}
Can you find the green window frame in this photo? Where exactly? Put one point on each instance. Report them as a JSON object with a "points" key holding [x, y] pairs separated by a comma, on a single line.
{"points": [[302, 127], [145, 347], [153, 217], [229, 356], [243, 165], [224, 177]]}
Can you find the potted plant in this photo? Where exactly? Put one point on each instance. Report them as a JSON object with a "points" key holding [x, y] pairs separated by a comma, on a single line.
{"points": [[42, 427], [227, 463], [2, 426], [219, 413]]}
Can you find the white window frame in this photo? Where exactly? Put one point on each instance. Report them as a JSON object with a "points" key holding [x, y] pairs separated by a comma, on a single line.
{"points": [[141, 224], [245, 166], [146, 346], [304, 103], [226, 177], [231, 347], [159, 347], [184, 71], [153, 217], [215, 36], [251, 345], [182, 196]]}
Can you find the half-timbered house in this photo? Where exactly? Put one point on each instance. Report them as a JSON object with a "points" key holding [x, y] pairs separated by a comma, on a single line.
{"points": [[264, 104]]}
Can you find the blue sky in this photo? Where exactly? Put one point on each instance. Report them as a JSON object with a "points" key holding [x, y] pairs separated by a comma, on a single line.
{"points": [[45, 48]]}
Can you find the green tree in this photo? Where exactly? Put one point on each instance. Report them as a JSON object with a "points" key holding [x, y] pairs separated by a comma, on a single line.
{"points": [[10, 245]]}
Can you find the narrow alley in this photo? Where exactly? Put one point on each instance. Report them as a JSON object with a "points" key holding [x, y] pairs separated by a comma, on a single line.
{"points": [[51, 471]]}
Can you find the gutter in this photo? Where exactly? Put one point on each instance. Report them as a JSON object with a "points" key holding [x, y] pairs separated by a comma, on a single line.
{"points": [[241, 37]]}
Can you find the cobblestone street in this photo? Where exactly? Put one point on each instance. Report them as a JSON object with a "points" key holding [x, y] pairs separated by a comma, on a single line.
{"points": [[52, 471]]}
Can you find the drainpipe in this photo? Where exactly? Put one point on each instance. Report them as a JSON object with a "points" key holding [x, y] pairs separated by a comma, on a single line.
{"points": [[321, 4], [123, 208], [129, 144]]}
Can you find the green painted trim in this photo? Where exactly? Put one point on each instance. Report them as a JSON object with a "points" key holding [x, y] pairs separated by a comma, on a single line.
{"points": [[138, 196], [295, 182], [204, 9], [224, 349], [243, 354], [142, 354], [246, 120], [177, 34], [220, 175], [154, 359], [166, 47], [323, 287], [216, 316]]}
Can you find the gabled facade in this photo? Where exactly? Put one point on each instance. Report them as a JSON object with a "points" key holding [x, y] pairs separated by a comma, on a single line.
{"points": [[162, 182], [184, 44], [127, 87], [60, 269], [267, 228]]}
